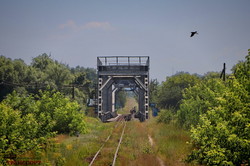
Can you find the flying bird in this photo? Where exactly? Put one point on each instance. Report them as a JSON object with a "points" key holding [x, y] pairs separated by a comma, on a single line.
{"points": [[193, 33]]}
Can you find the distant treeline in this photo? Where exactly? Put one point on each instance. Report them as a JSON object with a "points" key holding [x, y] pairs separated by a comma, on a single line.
{"points": [[46, 73]]}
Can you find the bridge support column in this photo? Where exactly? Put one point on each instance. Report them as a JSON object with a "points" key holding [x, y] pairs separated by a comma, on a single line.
{"points": [[146, 97], [113, 98], [99, 105]]}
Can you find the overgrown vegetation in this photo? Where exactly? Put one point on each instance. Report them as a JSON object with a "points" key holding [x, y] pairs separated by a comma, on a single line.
{"points": [[222, 136], [121, 99], [171, 143], [218, 115], [36, 103], [211, 115], [27, 122], [166, 116], [43, 72], [67, 151], [170, 91]]}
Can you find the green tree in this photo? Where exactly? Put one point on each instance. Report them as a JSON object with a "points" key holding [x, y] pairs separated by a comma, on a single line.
{"points": [[242, 72], [12, 73], [87, 79], [198, 99], [66, 114], [6, 71], [59, 74], [222, 136], [210, 75], [121, 99], [53, 111], [42, 62], [18, 133], [153, 88], [27, 104], [170, 92], [45, 72]]}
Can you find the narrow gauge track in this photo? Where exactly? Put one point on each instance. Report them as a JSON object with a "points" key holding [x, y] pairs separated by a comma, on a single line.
{"points": [[121, 125]]}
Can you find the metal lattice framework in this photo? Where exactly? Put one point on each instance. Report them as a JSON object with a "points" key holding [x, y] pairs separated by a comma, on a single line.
{"points": [[116, 73]]}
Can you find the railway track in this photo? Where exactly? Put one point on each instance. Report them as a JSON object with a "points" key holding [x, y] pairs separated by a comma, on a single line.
{"points": [[108, 152]]}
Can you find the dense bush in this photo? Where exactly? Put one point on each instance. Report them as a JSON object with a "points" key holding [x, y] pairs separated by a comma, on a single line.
{"points": [[54, 111], [223, 135], [66, 114], [19, 133], [35, 105], [170, 91], [26, 121], [165, 116], [219, 115], [198, 100]]}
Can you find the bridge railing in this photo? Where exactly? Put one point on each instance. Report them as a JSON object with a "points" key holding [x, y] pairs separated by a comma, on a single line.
{"points": [[123, 61]]}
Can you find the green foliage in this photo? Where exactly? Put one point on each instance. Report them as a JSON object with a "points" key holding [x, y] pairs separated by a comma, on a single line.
{"points": [[59, 74], [65, 114], [170, 142], [242, 72], [121, 99], [219, 116], [18, 133], [45, 72], [153, 91], [198, 100], [12, 71], [69, 151], [170, 92], [87, 78], [42, 62], [33, 103], [69, 119], [165, 116], [211, 75], [26, 121], [22, 102]]}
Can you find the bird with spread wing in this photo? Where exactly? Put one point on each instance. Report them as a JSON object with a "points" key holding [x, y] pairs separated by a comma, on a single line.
{"points": [[193, 33]]}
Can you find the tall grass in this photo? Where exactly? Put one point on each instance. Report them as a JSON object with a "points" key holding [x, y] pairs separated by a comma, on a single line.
{"points": [[171, 142], [67, 151], [136, 149]]}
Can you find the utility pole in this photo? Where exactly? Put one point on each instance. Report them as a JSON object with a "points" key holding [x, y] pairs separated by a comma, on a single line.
{"points": [[223, 73]]}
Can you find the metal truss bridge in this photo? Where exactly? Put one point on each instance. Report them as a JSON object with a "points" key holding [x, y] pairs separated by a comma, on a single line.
{"points": [[116, 73]]}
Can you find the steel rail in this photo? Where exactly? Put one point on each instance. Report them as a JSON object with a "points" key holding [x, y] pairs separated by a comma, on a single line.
{"points": [[97, 153], [118, 147]]}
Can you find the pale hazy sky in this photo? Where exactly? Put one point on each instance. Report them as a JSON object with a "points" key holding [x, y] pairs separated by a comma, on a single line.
{"points": [[76, 32]]}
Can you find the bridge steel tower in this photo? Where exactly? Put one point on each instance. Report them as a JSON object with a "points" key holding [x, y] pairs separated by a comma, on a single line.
{"points": [[116, 73]]}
